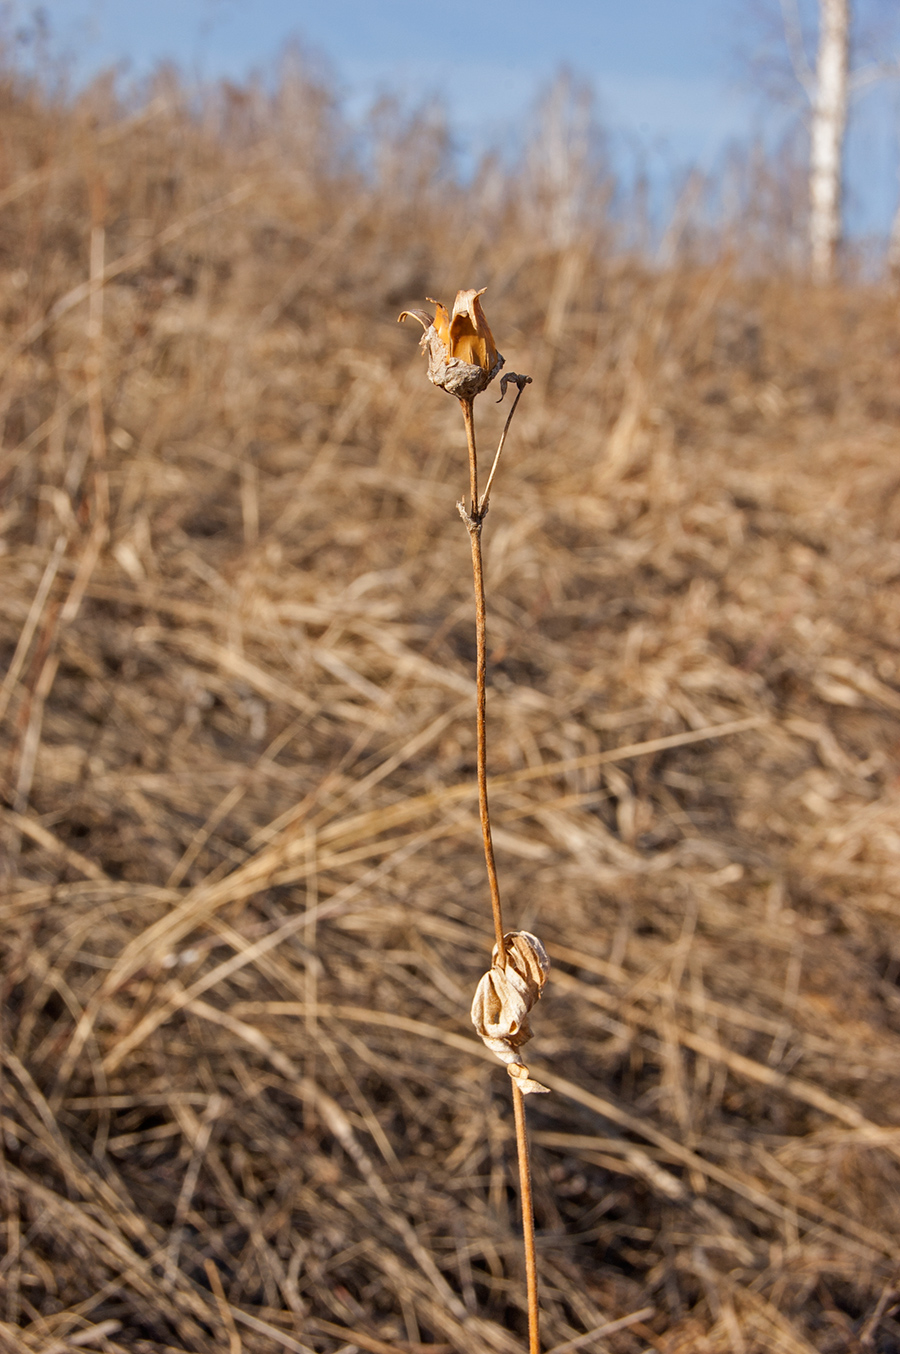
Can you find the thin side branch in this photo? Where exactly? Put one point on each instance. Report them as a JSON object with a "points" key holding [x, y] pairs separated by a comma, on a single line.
{"points": [[521, 382]]}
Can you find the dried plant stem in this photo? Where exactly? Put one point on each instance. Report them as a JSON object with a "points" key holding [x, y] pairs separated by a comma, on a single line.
{"points": [[481, 722], [534, 1340], [485, 497], [474, 519], [468, 408]]}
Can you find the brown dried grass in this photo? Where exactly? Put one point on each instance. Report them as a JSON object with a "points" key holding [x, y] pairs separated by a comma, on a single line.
{"points": [[244, 906]]}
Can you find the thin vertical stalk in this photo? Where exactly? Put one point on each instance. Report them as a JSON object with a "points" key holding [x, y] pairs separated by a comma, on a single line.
{"points": [[474, 520], [534, 1339], [481, 722], [468, 408]]}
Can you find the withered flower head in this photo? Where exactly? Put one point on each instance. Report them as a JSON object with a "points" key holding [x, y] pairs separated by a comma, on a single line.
{"points": [[462, 355]]}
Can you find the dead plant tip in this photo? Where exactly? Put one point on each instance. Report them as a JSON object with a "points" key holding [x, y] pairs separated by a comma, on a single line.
{"points": [[462, 355]]}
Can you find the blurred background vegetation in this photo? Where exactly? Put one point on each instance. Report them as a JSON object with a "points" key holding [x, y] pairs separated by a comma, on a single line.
{"points": [[243, 901]]}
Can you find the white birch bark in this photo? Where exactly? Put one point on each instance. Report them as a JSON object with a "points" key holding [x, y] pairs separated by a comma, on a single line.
{"points": [[829, 124], [894, 247]]}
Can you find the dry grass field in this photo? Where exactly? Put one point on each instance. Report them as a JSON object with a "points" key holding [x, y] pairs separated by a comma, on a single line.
{"points": [[244, 908]]}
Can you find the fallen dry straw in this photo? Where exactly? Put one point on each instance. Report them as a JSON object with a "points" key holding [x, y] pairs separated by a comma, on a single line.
{"points": [[243, 910]]}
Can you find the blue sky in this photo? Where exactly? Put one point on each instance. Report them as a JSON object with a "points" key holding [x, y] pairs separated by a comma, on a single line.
{"points": [[671, 76]]}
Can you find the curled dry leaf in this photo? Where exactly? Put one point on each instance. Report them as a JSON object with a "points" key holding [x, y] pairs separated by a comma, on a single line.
{"points": [[462, 355], [504, 997], [519, 381]]}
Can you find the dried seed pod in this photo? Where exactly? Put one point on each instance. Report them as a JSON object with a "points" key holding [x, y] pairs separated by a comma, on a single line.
{"points": [[462, 355], [504, 997]]}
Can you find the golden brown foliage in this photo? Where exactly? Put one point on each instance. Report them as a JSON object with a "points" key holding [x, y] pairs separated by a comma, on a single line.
{"points": [[244, 911]]}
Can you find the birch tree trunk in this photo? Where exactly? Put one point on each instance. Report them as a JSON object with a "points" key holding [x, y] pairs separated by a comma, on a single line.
{"points": [[893, 257], [829, 124]]}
